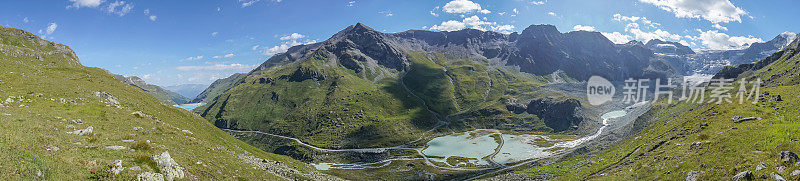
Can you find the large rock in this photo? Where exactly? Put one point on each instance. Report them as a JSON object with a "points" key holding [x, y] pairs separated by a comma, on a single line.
{"points": [[150, 176], [776, 177], [82, 132], [761, 166], [788, 157], [561, 115], [746, 175], [692, 176], [108, 98], [116, 167], [169, 168]]}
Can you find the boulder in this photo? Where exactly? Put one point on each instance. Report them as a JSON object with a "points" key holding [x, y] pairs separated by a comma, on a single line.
{"points": [[149, 176], [745, 119], [761, 166], [169, 168], [746, 175], [788, 157], [139, 114], [776, 177], [796, 173], [82, 132], [116, 167], [117, 148], [108, 98], [692, 176]]}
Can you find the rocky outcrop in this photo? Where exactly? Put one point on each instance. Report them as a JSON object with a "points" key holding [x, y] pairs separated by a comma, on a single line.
{"points": [[561, 115], [169, 168], [788, 157]]}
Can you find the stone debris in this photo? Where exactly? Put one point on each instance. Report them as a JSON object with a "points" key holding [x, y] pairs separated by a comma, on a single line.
{"points": [[117, 148], [108, 98], [796, 173], [116, 167], [138, 128], [788, 157], [761, 166], [149, 176], [169, 168], [692, 176], [746, 175], [82, 132], [139, 114], [739, 119], [776, 177], [187, 131]]}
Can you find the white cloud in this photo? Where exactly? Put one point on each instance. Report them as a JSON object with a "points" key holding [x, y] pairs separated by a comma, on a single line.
{"points": [[617, 37], [620, 18], [515, 11], [538, 2], [583, 28], [715, 40], [433, 13], [25, 20], [193, 58], [228, 55], [293, 36], [285, 46], [552, 13], [657, 34], [351, 3], [255, 47], [464, 6], [505, 29], [147, 13], [386, 12], [451, 25], [715, 11], [246, 3], [214, 34], [720, 27], [77, 4], [51, 28], [232, 67], [120, 8]]}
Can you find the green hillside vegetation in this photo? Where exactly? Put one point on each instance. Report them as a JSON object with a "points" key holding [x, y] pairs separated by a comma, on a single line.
{"points": [[685, 137], [218, 87], [47, 95], [333, 106]]}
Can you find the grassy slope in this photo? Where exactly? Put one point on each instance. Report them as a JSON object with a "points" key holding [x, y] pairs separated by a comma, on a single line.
{"points": [[28, 131], [664, 150], [218, 87]]}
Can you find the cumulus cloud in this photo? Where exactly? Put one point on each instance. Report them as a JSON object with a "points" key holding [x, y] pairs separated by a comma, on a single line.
{"points": [[505, 29], [147, 13], [450, 25], [293, 36], [229, 67], [351, 3], [715, 11], [246, 3], [463, 6], [51, 28], [552, 13], [77, 4], [617, 37], [657, 34], [720, 27], [583, 28], [285, 46], [386, 12], [120, 8], [214, 34], [538, 2], [715, 40]]}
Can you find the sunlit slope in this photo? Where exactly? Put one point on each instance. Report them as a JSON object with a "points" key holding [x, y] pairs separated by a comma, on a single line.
{"points": [[47, 95], [709, 140]]}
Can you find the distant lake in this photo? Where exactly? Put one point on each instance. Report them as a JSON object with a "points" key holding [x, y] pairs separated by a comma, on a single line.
{"points": [[189, 106]]}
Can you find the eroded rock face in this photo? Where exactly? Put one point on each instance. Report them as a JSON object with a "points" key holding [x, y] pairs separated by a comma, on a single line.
{"points": [[788, 157], [169, 168], [560, 115]]}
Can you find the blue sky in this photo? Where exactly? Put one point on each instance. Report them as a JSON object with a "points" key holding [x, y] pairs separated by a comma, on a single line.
{"points": [[178, 42]]}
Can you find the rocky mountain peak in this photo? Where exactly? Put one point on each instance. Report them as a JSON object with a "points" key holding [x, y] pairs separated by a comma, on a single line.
{"points": [[668, 47]]}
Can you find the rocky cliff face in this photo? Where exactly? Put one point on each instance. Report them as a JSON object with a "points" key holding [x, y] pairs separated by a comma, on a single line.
{"points": [[561, 115]]}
